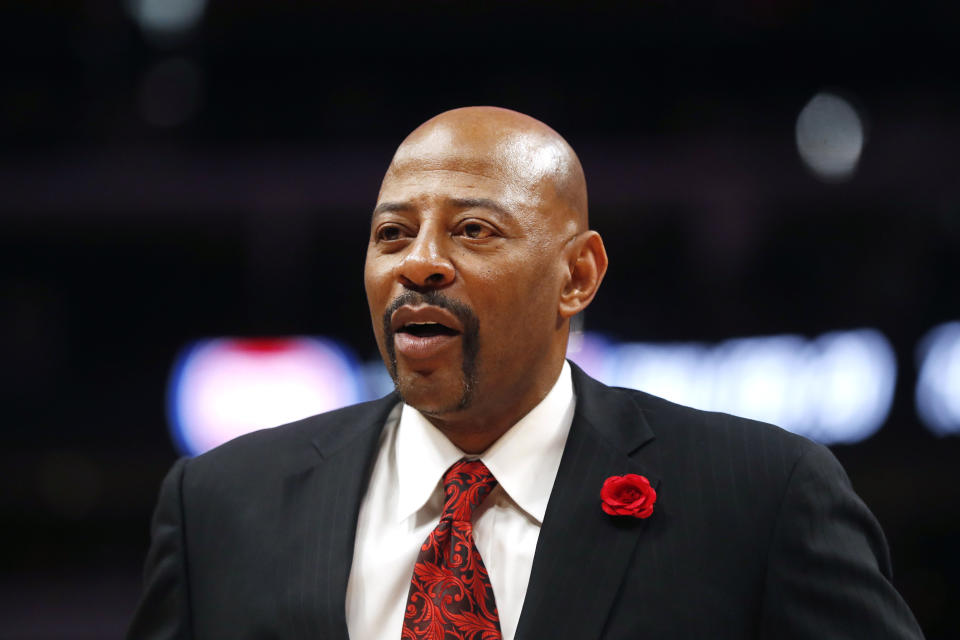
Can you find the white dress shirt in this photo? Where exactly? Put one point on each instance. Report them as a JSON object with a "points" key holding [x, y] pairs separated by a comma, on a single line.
{"points": [[404, 502]]}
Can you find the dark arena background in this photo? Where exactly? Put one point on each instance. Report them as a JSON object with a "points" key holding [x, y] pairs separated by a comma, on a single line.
{"points": [[777, 184]]}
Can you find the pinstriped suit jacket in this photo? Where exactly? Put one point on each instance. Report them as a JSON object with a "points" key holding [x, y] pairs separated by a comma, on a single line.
{"points": [[756, 533]]}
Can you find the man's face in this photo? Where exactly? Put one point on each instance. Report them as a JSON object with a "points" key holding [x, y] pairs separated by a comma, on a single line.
{"points": [[463, 275]]}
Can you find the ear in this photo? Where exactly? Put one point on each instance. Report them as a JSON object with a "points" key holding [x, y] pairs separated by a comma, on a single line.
{"points": [[587, 264]]}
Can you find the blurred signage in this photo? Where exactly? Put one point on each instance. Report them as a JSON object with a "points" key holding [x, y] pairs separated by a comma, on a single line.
{"points": [[834, 388]]}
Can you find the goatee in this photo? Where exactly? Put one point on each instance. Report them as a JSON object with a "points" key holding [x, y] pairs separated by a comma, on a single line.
{"points": [[470, 337]]}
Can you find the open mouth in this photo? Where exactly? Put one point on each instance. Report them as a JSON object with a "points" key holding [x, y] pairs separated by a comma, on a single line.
{"points": [[423, 332], [427, 329]]}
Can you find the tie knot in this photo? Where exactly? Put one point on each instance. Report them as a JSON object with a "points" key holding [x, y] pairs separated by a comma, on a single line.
{"points": [[466, 483]]}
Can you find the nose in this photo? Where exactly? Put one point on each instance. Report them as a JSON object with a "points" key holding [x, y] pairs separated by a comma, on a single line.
{"points": [[425, 264]]}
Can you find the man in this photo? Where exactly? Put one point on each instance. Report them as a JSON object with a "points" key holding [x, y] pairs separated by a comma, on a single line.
{"points": [[501, 492]]}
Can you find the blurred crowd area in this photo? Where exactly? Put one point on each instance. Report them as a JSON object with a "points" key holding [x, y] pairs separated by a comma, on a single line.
{"points": [[174, 170]]}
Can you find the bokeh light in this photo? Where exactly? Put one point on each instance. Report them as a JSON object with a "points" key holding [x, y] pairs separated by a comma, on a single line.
{"points": [[938, 383], [830, 137], [165, 20], [226, 387]]}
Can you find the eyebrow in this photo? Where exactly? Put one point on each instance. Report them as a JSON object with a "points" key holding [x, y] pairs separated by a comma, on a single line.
{"points": [[390, 207], [480, 203], [460, 203]]}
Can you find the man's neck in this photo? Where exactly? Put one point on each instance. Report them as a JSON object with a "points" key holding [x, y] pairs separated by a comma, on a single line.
{"points": [[474, 430], [471, 438]]}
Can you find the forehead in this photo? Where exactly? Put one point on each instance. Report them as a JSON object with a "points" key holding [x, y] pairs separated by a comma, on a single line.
{"points": [[428, 187], [440, 163]]}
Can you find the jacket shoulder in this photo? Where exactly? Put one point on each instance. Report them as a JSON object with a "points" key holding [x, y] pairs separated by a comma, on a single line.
{"points": [[671, 420], [681, 433], [734, 452]]}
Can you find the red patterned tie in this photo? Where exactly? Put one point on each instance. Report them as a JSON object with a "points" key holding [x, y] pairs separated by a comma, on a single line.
{"points": [[450, 595]]}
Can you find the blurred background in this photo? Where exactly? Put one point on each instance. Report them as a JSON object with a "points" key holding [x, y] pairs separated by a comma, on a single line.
{"points": [[175, 171]]}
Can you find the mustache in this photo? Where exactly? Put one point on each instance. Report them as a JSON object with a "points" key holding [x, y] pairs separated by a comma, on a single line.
{"points": [[435, 299]]}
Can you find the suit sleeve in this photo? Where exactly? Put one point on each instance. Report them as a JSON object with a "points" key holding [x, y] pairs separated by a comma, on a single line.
{"points": [[828, 570], [164, 609]]}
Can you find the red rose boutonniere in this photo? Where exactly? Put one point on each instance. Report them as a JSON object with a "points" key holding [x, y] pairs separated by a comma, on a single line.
{"points": [[629, 495]]}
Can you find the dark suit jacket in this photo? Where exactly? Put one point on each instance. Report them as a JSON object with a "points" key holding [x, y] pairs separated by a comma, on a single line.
{"points": [[756, 533]]}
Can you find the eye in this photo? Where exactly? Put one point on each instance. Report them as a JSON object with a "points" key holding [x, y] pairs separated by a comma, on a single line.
{"points": [[389, 232], [476, 230]]}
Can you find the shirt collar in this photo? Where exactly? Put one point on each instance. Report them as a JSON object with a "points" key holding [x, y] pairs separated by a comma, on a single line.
{"points": [[524, 460]]}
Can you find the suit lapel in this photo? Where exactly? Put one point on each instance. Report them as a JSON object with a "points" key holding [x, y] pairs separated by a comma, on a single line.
{"points": [[582, 553], [320, 503]]}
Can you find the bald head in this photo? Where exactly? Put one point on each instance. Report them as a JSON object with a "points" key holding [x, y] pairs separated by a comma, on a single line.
{"points": [[509, 146]]}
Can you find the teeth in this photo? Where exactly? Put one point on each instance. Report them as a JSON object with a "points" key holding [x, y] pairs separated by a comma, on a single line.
{"points": [[420, 323]]}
